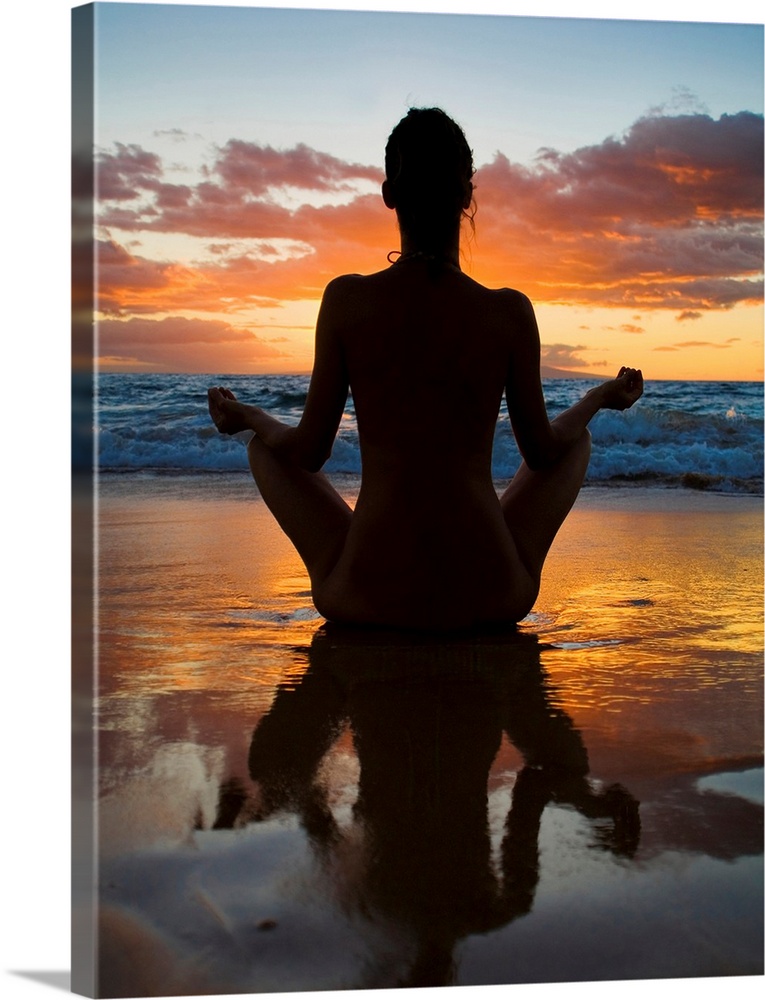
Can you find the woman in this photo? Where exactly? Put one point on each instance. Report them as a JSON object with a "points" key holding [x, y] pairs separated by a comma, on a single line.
{"points": [[427, 353]]}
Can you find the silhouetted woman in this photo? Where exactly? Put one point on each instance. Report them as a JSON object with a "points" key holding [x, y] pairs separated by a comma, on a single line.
{"points": [[427, 353]]}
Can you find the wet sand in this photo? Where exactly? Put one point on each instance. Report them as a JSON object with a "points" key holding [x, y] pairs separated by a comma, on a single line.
{"points": [[289, 807]]}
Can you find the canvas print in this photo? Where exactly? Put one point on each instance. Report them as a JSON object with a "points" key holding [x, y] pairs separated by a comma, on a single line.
{"points": [[446, 670]]}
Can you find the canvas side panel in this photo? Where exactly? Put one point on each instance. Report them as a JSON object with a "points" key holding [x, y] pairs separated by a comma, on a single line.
{"points": [[84, 762]]}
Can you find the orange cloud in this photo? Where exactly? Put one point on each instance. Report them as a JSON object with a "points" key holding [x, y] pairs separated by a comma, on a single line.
{"points": [[696, 343], [351, 240], [668, 216], [702, 343], [176, 343]]}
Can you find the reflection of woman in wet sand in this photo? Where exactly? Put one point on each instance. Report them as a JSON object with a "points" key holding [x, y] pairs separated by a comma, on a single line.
{"points": [[427, 720], [427, 353]]}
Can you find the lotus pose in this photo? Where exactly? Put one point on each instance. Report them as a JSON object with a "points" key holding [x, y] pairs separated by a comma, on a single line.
{"points": [[427, 353]]}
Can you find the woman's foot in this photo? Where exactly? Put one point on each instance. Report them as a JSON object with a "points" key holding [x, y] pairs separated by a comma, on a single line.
{"points": [[228, 414]]}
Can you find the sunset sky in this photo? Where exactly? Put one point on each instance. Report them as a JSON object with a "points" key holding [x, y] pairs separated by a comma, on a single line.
{"points": [[619, 179]]}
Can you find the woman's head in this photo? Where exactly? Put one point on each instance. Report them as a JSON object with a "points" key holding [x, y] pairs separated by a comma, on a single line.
{"points": [[428, 171]]}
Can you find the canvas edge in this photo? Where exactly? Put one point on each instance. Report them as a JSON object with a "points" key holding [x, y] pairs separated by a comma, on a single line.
{"points": [[83, 640]]}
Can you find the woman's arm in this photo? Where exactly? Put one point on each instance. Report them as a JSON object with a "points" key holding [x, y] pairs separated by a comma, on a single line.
{"points": [[308, 445], [313, 438], [541, 441]]}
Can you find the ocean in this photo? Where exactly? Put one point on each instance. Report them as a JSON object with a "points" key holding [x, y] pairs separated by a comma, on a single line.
{"points": [[682, 434]]}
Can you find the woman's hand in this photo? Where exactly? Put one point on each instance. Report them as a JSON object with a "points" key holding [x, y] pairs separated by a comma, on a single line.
{"points": [[624, 390], [231, 416]]}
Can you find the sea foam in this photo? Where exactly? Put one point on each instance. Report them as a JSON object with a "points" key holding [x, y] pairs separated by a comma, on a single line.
{"points": [[693, 434]]}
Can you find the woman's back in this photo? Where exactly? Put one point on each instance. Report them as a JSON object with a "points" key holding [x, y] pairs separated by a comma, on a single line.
{"points": [[427, 357], [427, 360]]}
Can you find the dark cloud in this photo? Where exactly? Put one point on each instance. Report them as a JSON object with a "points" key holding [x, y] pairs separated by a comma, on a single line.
{"points": [[636, 220], [248, 167], [665, 170], [126, 173], [176, 134]]}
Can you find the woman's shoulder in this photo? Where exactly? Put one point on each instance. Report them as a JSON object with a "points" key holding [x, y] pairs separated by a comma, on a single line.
{"points": [[371, 286], [505, 298], [346, 285], [354, 280], [505, 293], [516, 300], [342, 281]]}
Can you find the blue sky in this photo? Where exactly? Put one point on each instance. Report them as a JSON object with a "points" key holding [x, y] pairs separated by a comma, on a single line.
{"points": [[338, 81]]}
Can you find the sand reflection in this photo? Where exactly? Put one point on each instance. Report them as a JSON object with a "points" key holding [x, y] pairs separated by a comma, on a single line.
{"points": [[427, 719], [413, 812]]}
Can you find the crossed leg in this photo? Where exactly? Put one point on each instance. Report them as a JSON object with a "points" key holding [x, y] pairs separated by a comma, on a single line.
{"points": [[536, 503], [308, 508]]}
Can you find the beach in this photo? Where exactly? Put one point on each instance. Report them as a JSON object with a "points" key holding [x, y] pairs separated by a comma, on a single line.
{"points": [[286, 807]]}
